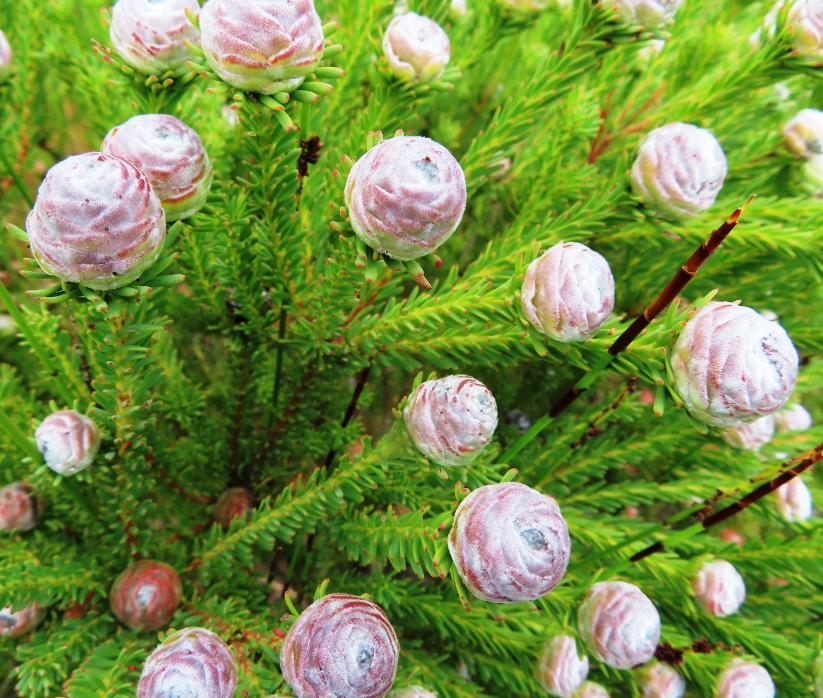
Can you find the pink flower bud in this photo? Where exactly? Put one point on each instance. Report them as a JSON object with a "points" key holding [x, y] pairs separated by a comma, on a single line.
{"points": [[679, 170], [590, 689], [416, 48], [20, 622], [458, 7], [719, 588], [510, 543], [731, 366], [794, 500], [149, 34], [18, 508], [145, 595], [452, 419], [731, 536], [412, 692], [341, 645], [752, 436], [406, 196], [568, 292], [661, 681], [171, 155], [68, 440], [96, 221], [561, 671], [806, 18], [793, 418], [650, 14], [5, 56], [193, 662], [262, 46], [804, 133], [745, 680], [619, 624], [236, 502]]}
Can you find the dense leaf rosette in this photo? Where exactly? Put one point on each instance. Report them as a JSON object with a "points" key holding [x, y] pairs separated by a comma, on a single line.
{"points": [[20, 622], [793, 418], [561, 670], [752, 436], [661, 681], [68, 440], [794, 500], [416, 48], [235, 502], [745, 680], [18, 508], [650, 14], [719, 588], [6, 56], [590, 689], [145, 595]]}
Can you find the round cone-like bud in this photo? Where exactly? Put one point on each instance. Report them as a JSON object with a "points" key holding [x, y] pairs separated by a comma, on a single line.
{"points": [[171, 155], [18, 508], [5, 56], [458, 7], [719, 588], [148, 34], [145, 595], [731, 536], [68, 440], [804, 133], [818, 675], [561, 671], [794, 500], [568, 292], [236, 502], [193, 662], [650, 14], [262, 46], [96, 221], [510, 543], [752, 436], [341, 645], [406, 196], [793, 418], [679, 170], [412, 692], [661, 681], [416, 48], [731, 366], [590, 689], [619, 624], [20, 622], [806, 18], [452, 419], [745, 680]]}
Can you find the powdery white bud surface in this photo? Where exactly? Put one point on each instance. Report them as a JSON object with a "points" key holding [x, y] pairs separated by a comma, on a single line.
{"points": [[510, 543], [679, 170], [804, 133], [5, 56], [451, 419], [806, 18], [262, 46], [148, 34], [145, 595], [68, 440], [745, 680], [458, 7], [731, 366], [20, 622], [661, 681], [752, 436], [793, 418], [719, 588], [561, 670], [568, 292], [406, 196], [416, 47], [96, 221], [236, 502], [619, 624], [171, 155], [794, 500], [818, 675], [341, 645], [18, 508], [590, 689], [647, 13], [412, 692], [191, 663]]}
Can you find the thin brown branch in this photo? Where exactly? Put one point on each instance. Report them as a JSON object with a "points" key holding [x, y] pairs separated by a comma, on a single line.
{"points": [[358, 391], [365, 304]]}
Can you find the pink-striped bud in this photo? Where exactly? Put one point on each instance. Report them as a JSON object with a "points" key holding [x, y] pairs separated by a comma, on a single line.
{"points": [[96, 221], [561, 670], [752, 436], [793, 418], [619, 624], [679, 170], [5, 56], [193, 662], [806, 18], [236, 502], [406, 196], [171, 155], [568, 292], [731, 366], [20, 622], [719, 588], [794, 500], [416, 48], [590, 689], [804, 133], [661, 681], [650, 14], [452, 419], [145, 595], [18, 508], [510, 543], [412, 692], [262, 46], [149, 34], [745, 680], [341, 645], [68, 440]]}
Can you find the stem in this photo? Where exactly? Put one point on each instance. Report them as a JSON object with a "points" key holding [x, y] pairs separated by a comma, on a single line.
{"points": [[278, 366], [358, 390], [16, 179]]}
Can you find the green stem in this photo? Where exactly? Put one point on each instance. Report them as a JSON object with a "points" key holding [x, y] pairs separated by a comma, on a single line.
{"points": [[305, 121], [16, 179], [278, 367]]}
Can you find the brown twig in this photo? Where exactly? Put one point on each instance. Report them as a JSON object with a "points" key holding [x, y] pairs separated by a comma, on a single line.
{"points": [[358, 391], [238, 411], [365, 304]]}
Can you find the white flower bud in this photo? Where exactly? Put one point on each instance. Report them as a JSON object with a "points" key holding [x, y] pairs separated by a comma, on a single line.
{"points": [[411, 692], [818, 675], [406, 196], [149, 34], [719, 588], [526, 5], [650, 14], [806, 18], [5, 56], [20, 622], [745, 680], [794, 500], [590, 689], [458, 7], [68, 440], [752, 436], [804, 133], [452, 419], [568, 292], [793, 418], [679, 170], [661, 681], [731, 366], [561, 671], [619, 624], [416, 48], [18, 508]]}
